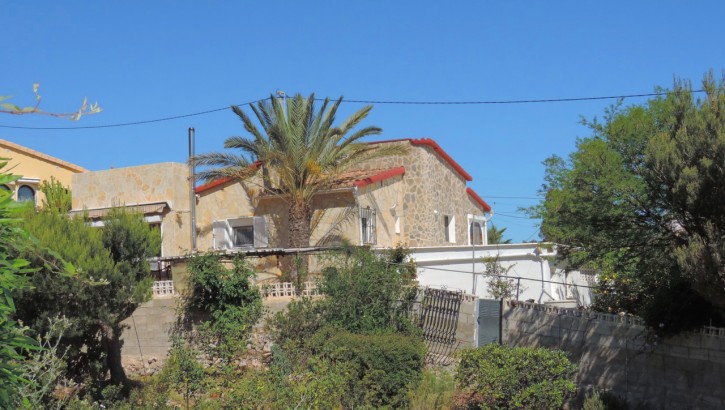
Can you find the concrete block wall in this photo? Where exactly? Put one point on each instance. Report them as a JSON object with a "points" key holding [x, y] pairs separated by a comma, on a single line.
{"points": [[611, 352], [147, 330]]}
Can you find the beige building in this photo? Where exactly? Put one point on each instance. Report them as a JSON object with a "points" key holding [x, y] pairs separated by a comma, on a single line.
{"points": [[416, 199], [34, 167]]}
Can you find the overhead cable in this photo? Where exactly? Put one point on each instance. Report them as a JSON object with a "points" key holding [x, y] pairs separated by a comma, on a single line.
{"points": [[388, 102]]}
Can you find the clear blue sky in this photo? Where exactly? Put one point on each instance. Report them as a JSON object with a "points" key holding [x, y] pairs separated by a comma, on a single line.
{"points": [[147, 60]]}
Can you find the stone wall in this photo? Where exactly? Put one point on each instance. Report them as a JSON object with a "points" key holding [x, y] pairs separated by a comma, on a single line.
{"points": [[163, 182], [611, 352], [147, 331]]}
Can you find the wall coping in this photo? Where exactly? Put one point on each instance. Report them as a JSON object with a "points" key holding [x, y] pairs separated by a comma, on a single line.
{"points": [[713, 331]]}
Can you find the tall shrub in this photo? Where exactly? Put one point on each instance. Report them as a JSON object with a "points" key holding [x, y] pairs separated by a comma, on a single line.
{"points": [[503, 377], [113, 279], [230, 299], [367, 293]]}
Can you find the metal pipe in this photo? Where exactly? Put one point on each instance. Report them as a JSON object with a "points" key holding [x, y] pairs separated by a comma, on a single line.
{"points": [[192, 191]]}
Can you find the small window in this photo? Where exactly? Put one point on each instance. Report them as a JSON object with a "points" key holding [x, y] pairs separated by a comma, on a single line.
{"points": [[476, 233], [449, 227], [245, 232], [26, 193], [367, 225], [243, 236]]}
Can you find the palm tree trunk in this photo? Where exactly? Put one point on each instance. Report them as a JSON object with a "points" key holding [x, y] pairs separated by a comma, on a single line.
{"points": [[299, 219]]}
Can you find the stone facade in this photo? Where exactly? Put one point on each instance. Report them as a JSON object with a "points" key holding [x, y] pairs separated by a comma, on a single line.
{"points": [[136, 186], [412, 204], [433, 188]]}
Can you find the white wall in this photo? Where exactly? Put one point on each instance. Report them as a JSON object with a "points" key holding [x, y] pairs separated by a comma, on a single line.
{"points": [[451, 267]]}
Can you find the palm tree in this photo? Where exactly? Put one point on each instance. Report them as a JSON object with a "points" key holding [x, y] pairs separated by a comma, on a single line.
{"points": [[302, 153], [495, 235]]}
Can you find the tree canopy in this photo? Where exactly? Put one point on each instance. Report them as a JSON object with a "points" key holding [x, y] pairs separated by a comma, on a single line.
{"points": [[301, 151], [112, 280], [643, 199]]}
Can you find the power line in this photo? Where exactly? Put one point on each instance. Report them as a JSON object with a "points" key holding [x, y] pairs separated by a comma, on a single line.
{"points": [[388, 102], [125, 124]]}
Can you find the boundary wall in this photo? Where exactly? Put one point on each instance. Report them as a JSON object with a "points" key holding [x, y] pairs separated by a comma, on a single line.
{"points": [[613, 353]]}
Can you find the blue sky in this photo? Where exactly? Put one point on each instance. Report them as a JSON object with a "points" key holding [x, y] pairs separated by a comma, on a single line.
{"points": [[148, 60]]}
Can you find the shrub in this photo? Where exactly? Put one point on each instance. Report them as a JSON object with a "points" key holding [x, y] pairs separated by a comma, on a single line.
{"points": [[496, 376], [293, 328], [601, 400], [379, 368], [367, 293], [230, 299], [435, 391]]}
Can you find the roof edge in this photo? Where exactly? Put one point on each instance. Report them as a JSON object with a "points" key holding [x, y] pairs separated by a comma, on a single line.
{"points": [[379, 177], [40, 155], [437, 148], [474, 195], [221, 181]]}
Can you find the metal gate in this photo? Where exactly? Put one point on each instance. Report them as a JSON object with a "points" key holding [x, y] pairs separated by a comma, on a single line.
{"points": [[438, 318], [488, 322]]}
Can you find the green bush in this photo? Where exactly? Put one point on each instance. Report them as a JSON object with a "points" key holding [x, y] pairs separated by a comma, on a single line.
{"points": [[227, 295], [601, 400], [367, 293], [435, 391], [502, 377], [379, 368]]}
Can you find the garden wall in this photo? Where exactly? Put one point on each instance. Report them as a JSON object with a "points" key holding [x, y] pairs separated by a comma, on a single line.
{"points": [[611, 352]]}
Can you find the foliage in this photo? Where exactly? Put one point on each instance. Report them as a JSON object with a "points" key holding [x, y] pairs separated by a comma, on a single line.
{"points": [[112, 280], [601, 400], [642, 198], [13, 279], [230, 299], [500, 286], [183, 372], [293, 329], [301, 154], [84, 109], [57, 196], [502, 377], [367, 293], [435, 391], [380, 368], [45, 369], [496, 236]]}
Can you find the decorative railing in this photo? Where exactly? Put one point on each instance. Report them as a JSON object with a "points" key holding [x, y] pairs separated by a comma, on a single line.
{"points": [[288, 289], [164, 288]]}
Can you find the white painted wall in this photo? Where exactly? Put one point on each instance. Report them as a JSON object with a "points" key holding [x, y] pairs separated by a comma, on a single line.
{"points": [[451, 267]]}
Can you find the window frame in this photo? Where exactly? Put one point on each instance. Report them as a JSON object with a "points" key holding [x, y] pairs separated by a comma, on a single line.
{"points": [[368, 225]]}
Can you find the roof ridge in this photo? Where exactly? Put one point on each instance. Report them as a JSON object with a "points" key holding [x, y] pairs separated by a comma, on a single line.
{"points": [[40, 155]]}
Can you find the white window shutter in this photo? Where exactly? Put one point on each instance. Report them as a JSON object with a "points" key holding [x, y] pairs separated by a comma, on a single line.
{"points": [[222, 238], [261, 239]]}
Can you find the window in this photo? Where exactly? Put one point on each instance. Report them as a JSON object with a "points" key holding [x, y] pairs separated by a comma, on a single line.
{"points": [[476, 232], [243, 236], [449, 227], [26, 193], [367, 226], [237, 233]]}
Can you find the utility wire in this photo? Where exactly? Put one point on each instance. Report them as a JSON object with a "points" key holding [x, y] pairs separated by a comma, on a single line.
{"points": [[125, 124], [389, 102]]}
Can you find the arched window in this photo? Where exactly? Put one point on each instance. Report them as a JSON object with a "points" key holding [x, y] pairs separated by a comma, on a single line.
{"points": [[26, 193]]}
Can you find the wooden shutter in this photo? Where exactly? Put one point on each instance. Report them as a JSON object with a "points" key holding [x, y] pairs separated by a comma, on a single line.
{"points": [[261, 239]]}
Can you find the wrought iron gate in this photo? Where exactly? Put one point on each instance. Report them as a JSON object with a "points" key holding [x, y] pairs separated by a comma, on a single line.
{"points": [[438, 318]]}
